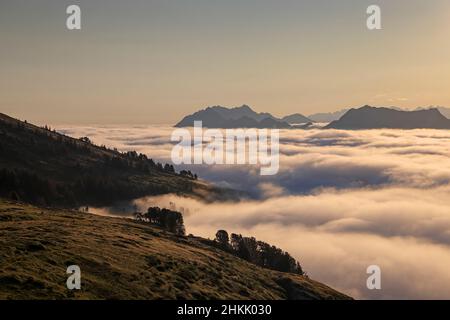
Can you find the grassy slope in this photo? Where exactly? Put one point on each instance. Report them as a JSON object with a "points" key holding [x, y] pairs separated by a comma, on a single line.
{"points": [[122, 259]]}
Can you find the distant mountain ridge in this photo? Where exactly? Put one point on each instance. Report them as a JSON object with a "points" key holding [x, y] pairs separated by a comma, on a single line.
{"points": [[239, 117], [445, 111], [241, 112], [296, 118], [368, 117], [327, 116]]}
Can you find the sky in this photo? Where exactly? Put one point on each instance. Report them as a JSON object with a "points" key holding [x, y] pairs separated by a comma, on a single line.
{"points": [[154, 61]]}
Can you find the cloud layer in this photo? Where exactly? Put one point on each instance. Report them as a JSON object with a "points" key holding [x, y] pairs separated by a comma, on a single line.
{"points": [[342, 201]]}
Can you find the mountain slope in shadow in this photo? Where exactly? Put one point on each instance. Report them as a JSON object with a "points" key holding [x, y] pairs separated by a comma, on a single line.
{"points": [[41, 166]]}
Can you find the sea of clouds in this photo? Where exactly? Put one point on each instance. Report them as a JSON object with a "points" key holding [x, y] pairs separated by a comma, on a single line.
{"points": [[342, 200]]}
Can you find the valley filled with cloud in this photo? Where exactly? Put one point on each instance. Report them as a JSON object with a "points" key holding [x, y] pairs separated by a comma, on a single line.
{"points": [[341, 201]]}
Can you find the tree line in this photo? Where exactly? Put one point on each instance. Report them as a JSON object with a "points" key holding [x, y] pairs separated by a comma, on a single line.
{"points": [[166, 219], [258, 252], [248, 248], [41, 166]]}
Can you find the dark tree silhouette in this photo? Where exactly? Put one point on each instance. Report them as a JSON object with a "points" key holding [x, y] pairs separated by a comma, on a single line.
{"points": [[166, 219], [223, 239], [259, 252]]}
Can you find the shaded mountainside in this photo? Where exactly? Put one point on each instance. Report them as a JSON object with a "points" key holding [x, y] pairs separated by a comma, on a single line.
{"points": [[385, 118], [44, 167], [240, 117], [124, 259]]}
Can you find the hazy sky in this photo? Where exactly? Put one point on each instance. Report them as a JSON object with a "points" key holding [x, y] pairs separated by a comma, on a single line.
{"points": [[149, 61]]}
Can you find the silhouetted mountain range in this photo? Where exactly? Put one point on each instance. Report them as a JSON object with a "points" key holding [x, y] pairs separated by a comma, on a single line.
{"points": [[240, 117], [366, 117], [369, 117]]}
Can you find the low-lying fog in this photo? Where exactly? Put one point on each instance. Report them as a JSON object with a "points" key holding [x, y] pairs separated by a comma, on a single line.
{"points": [[342, 200]]}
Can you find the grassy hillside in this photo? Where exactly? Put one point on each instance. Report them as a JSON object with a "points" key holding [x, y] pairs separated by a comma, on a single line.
{"points": [[44, 167], [123, 259]]}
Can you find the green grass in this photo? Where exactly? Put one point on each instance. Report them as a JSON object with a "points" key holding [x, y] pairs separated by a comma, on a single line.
{"points": [[123, 259]]}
